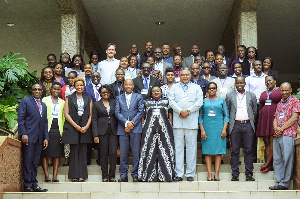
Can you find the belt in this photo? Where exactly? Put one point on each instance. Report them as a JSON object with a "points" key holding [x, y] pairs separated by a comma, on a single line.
{"points": [[242, 121]]}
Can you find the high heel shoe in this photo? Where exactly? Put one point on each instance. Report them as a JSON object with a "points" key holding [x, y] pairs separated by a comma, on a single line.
{"points": [[216, 179], [209, 179]]}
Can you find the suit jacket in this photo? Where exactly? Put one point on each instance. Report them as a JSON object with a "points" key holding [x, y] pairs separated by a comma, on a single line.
{"points": [[187, 62], [30, 122], [228, 61], [139, 85], [134, 113], [232, 107], [115, 91], [70, 134], [101, 119], [89, 90], [192, 102]]}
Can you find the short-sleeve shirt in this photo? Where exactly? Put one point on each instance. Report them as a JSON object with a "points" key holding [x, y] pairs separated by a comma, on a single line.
{"points": [[292, 106]]}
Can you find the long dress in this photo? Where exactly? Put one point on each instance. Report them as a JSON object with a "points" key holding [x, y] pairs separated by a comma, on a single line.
{"points": [[157, 161], [213, 126], [266, 114]]}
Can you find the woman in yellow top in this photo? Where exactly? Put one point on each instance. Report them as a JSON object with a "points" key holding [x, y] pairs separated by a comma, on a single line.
{"points": [[56, 120]]}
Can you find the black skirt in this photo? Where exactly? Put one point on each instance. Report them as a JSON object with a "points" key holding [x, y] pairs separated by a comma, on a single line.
{"points": [[55, 148]]}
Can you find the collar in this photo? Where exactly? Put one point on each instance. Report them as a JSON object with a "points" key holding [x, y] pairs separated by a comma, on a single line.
{"points": [[262, 75], [145, 77], [111, 60]]}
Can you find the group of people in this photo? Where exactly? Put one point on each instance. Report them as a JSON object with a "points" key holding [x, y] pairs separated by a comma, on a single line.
{"points": [[155, 105]]}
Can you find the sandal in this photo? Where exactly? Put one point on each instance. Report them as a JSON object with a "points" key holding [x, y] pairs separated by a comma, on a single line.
{"points": [[56, 180], [112, 180], [81, 180], [105, 180], [49, 180], [74, 180], [209, 179], [216, 179]]}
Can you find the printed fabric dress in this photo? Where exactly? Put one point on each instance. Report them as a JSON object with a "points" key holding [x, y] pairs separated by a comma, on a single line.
{"points": [[213, 125], [157, 161]]}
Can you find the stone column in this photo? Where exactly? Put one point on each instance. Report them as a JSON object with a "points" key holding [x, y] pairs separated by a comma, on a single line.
{"points": [[69, 34], [248, 29]]}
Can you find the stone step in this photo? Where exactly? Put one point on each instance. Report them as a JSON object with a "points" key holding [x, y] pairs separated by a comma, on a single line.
{"points": [[95, 169], [157, 195]]}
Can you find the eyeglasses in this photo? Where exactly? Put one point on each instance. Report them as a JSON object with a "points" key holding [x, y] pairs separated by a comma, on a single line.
{"points": [[205, 67], [155, 52], [212, 88], [36, 89], [146, 68], [95, 76], [65, 56]]}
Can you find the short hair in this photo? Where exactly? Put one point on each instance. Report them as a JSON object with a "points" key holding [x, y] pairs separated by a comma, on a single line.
{"points": [[55, 83], [165, 44], [73, 72], [205, 62], [242, 46], [105, 86], [271, 60], [51, 55], [153, 88], [219, 54], [288, 83], [169, 70], [179, 56], [129, 58], [36, 83], [62, 54], [235, 63], [112, 44], [42, 73], [120, 68], [210, 83], [82, 62], [185, 68], [176, 46], [55, 64], [208, 51], [145, 63], [272, 76], [78, 79]]}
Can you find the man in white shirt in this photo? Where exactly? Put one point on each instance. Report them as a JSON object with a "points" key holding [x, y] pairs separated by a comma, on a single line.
{"points": [[159, 63], [109, 66]]}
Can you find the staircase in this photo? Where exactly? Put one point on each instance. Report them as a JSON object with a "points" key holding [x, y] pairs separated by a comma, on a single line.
{"points": [[94, 188]]}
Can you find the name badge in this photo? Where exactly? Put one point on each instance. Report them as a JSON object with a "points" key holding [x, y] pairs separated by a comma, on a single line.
{"points": [[156, 112], [281, 115], [268, 102], [144, 91], [211, 113], [223, 90], [177, 79], [54, 114], [80, 111]]}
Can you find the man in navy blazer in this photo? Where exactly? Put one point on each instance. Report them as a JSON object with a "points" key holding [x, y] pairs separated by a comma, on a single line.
{"points": [[92, 91], [129, 111], [33, 132]]}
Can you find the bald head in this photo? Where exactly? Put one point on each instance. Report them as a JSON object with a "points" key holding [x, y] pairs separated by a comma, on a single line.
{"points": [[286, 90], [128, 86]]}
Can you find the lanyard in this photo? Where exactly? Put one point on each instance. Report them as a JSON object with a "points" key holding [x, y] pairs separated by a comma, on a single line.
{"points": [[70, 88], [54, 103], [184, 87], [79, 100], [223, 81], [285, 103], [212, 102], [242, 97], [269, 92]]}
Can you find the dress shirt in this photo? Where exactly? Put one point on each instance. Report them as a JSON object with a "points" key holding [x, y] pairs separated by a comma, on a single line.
{"points": [[95, 67], [168, 59], [202, 83], [225, 86], [106, 69], [241, 109], [128, 99], [256, 84], [159, 66], [148, 80], [39, 104]]}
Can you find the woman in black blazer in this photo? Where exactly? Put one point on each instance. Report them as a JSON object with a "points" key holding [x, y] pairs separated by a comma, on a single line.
{"points": [[77, 131], [267, 68], [104, 127]]}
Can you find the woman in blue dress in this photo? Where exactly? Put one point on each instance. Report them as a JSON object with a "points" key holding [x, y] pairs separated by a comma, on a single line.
{"points": [[213, 121]]}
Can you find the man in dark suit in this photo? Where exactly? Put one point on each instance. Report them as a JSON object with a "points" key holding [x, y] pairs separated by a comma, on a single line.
{"points": [[243, 108], [187, 62], [227, 60], [144, 83], [92, 91], [117, 87], [148, 53], [33, 132], [129, 111]]}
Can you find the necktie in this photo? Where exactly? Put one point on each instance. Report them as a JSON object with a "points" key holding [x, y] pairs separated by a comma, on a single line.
{"points": [[39, 105], [97, 94], [146, 83]]}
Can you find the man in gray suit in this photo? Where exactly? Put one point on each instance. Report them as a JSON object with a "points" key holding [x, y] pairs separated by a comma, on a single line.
{"points": [[185, 99], [129, 111], [159, 63], [187, 62], [242, 107]]}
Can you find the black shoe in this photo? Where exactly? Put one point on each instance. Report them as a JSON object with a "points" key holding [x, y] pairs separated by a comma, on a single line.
{"points": [[190, 179], [235, 178], [39, 189], [123, 179], [135, 179], [28, 189], [249, 178], [177, 179], [280, 187], [98, 163], [273, 187]]}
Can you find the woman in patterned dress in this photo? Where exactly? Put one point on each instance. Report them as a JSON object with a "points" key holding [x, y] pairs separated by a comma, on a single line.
{"points": [[157, 161]]}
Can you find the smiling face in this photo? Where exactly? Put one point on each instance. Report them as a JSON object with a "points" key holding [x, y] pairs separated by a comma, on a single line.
{"points": [[257, 66], [150, 60], [270, 82], [237, 68], [71, 78], [120, 75], [219, 59], [105, 93], [206, 68], [240, 84], [134, 49], [241, 52], [195, 50], [157, 53], [195, 69], [170, 76], [58, 69], [133, 62], [166, 50], [55, 90], [286, 90], [48, 74], [111, 51], [79, 87], [128, 86], [124, 63], [267, 64], [51, 60], [96, 78], [210, 56], [149, 46], [221, 49], [185, 76], [77, 62], [198, 59], [177, 61], [37, 91], [212, 90], [146, 69], [223, 70], [88, 69], [156, 93]]}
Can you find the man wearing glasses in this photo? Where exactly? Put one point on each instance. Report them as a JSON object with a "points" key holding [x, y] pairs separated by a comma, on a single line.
{"points": [[160, 64], [144, 83], [33, 132]]}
